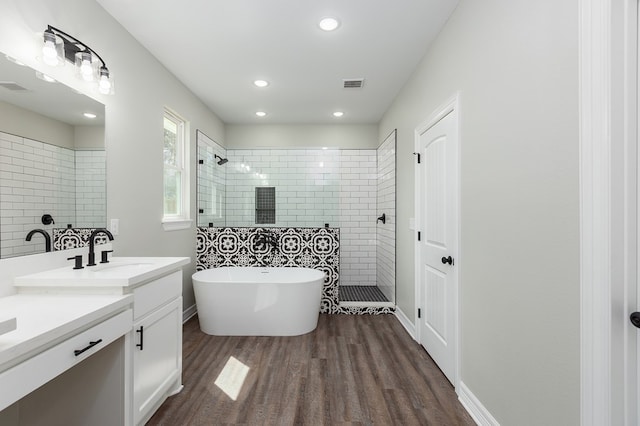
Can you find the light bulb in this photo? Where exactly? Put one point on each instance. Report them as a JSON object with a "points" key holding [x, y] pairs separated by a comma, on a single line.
{"points": [[84, 66], [104, 85], [49, 51], [49, 54], [86, 71]]}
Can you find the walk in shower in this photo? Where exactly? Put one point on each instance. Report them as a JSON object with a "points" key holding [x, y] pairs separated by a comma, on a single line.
{"points": [[349, 189]]}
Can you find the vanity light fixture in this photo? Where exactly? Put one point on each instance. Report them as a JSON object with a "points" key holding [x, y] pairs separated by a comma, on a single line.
{"points": [[89, 115], [329, 24], [338, 114], [261, 83], [261, 114], [59, 46]]}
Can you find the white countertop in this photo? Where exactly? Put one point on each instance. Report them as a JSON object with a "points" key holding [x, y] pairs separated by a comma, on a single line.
{"points": [[45, 319], [119, 272]]}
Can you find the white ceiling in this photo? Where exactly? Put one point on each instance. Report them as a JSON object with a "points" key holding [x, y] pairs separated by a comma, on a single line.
{"points": [[217, 48]]}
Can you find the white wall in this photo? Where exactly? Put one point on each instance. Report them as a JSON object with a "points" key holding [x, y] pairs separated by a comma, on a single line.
{"points": [[21, 122], [344, 136], [88, 137], [133, 119], [515, 63]]}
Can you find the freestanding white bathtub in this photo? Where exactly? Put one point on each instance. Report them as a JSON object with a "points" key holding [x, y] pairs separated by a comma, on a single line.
{"points": [[246, 301]]}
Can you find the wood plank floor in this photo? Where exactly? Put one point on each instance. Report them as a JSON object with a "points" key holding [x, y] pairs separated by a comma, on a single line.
{"points": [[352, 370]]}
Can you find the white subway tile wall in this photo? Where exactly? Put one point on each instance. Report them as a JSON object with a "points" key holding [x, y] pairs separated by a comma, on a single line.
{"points": [[306, 183], [386, 233], [358, 173], [37, 178], [211, 183], [91, 189]]}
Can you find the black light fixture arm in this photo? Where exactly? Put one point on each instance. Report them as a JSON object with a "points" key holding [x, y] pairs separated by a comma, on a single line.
{"points": [[69, 40]]}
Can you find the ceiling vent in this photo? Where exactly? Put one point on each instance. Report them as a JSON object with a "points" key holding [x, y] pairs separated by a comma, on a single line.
{"points": [[353, 83], [11, 85]]}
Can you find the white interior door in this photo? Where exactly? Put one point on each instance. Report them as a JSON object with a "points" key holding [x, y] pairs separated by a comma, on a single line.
{"points": [[437, 245]]}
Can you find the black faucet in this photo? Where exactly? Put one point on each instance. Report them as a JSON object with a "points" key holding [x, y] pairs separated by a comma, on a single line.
{"points": [[92, 243], [45, 234], [266, 238]]}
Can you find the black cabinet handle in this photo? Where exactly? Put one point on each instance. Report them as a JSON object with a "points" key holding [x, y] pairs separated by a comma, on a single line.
{"points": [[141, 344], [635, 319], [448, 260], [83, 350]]}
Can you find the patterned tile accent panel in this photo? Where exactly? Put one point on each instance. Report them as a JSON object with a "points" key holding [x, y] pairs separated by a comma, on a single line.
{"points": [[365, 310], [70, 238], [317, 248]]}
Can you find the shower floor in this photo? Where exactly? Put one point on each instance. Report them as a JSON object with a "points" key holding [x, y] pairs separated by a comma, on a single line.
{"points": [[361, 293]]}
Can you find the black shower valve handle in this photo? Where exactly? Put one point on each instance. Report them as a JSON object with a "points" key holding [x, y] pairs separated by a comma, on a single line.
{"points": [[47, 219]]}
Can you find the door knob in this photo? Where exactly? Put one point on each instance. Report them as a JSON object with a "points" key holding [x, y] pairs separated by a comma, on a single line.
{"points": [[635, 319], [449, 260]]}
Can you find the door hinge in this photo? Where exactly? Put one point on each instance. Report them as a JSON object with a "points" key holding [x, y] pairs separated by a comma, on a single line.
{"points": [[418, 156], [419, 235], [419, 313]]}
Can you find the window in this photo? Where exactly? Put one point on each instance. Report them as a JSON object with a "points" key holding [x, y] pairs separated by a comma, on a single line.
{"points": [[176, 178]]}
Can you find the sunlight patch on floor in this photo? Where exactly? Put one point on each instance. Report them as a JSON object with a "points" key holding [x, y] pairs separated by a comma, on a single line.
{"points": [[232, 377]]}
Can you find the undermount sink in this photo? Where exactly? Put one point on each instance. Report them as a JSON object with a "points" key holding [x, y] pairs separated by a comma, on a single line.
{"points": [[118, 267], [119, 272], [7, 325]]}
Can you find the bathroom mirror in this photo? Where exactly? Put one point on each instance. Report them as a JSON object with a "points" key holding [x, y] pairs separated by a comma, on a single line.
{"points": [[52, 159]]}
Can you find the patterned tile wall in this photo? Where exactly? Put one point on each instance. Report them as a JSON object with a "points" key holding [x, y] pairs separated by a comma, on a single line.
{"points": [[317, 248], [70, 238]]}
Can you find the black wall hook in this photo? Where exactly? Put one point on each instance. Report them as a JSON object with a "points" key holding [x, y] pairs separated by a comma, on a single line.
{"points": [[382, 218]]}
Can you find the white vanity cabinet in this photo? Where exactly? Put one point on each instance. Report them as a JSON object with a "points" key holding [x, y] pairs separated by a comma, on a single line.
{"points": [[154, 358], [157, 348]]}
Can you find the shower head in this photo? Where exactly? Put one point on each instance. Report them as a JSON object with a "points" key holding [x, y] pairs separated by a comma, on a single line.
{"points": [[222, 160]]}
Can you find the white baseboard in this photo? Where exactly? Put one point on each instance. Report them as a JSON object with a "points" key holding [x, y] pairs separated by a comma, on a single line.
{"points": [[474, 407], [406, 323], [189, 313]]}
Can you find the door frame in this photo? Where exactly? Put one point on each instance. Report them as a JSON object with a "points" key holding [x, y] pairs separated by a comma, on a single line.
{"points": [[452, 105], [608, 184]]}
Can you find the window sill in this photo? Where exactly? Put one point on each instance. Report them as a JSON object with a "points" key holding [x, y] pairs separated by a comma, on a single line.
{"points": [[176, 224]]}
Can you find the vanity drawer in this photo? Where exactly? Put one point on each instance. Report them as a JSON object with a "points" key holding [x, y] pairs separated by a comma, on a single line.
{"points": [[32, 373], [154, 294]]}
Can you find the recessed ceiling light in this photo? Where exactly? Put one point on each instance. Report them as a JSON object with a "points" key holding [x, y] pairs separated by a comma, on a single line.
{"points": [[261, 113], [261, 83], [329, 24], [89, 115], [338, 114], [45, 77], [14, 60]]}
